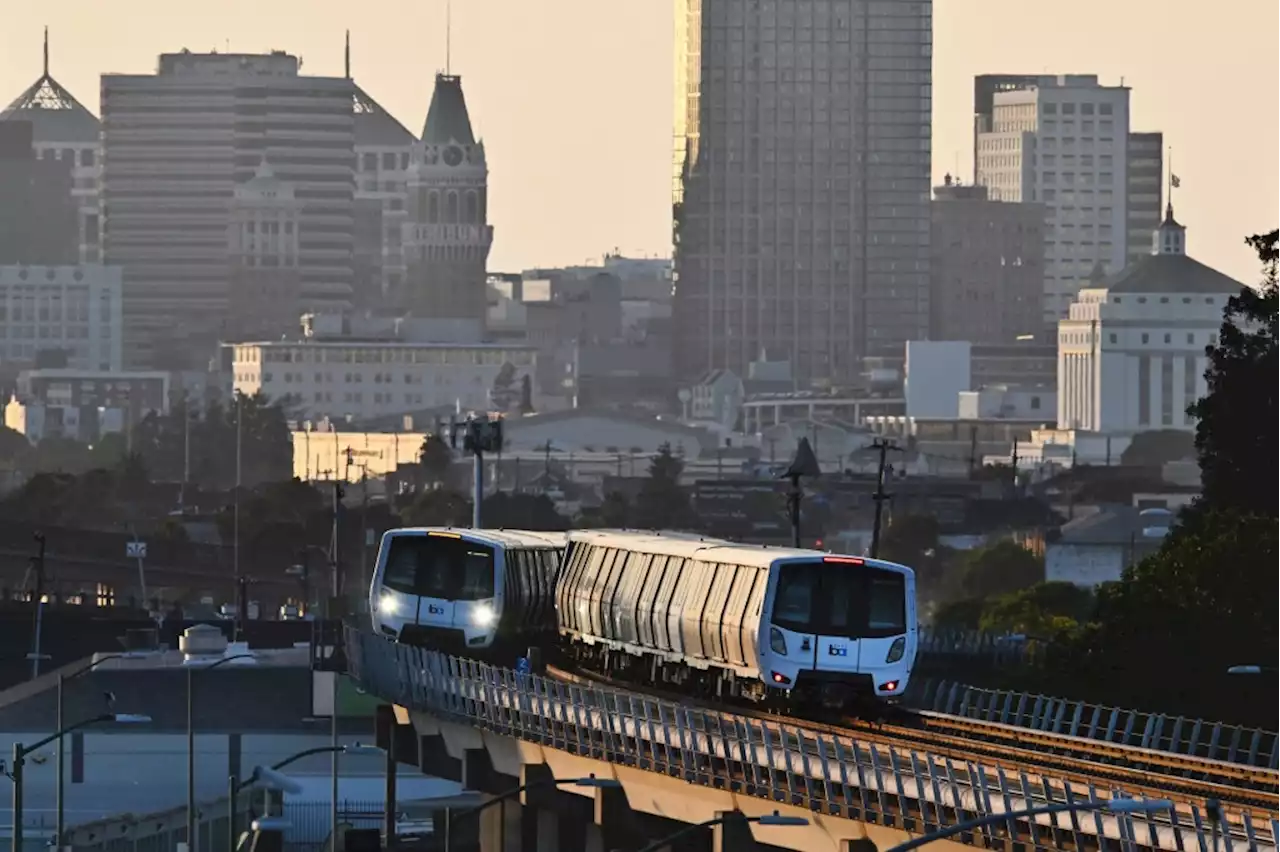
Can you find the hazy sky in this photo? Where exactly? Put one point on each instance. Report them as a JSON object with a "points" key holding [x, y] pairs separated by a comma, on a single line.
{"points": [[573, 97]]}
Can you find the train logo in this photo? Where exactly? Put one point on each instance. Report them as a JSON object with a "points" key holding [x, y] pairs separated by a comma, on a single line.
{"points": [[432, 609], [837, 651]]}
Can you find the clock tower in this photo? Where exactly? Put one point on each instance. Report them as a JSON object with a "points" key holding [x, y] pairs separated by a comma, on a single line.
{"points": [[447, 235]]}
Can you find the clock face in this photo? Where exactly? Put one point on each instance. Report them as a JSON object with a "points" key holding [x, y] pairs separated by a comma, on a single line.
{"points": [[452, 155]]}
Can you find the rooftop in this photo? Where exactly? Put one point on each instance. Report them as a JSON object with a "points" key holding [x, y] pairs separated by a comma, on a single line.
{"points": [[1171, 273], [55, 114], [447, 118], [375, 127]]}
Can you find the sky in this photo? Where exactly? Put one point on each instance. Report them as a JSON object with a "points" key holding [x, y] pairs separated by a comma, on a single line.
{"points": [[574, 97]]}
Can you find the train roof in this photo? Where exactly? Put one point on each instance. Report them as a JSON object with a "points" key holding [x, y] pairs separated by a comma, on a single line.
{"points": [[708, 548], [500, 538]]}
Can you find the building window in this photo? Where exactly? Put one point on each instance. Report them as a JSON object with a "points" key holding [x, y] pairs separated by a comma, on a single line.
{"points": [[1189, 379], [1115, 338], [1166, 391], [1146, 338], [1035, 403], [1144, 391], [1191, 339], [1168, 338]]}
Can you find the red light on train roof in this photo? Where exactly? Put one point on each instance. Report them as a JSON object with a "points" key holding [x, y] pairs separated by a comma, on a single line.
{"points": [[852, 560]]}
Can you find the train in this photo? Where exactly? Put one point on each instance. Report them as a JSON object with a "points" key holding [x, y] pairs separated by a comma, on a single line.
{"points": [[784, 627]]}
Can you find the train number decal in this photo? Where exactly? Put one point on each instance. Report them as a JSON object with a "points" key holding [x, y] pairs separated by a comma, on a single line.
{"points": [[837, 651]]}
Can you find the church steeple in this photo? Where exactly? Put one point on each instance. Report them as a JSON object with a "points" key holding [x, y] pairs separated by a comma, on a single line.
{"points": [[1170, 237]]}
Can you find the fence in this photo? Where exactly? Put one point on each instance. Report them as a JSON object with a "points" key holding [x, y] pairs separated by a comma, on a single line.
{"points": [[826, 773]]}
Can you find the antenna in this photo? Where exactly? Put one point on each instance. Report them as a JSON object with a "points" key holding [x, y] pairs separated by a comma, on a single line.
{"points": [[346, 57], [46, 51], [448, 37]]}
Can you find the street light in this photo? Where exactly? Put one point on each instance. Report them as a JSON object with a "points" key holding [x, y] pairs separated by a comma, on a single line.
{"points": [[774, 818], [1116, 806], [589, 781], [270, 777], [21, 751], [61, 768], [192, 665]]}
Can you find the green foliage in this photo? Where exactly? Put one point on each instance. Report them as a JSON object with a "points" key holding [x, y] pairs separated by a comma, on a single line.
{"points": [[1235, 433], [1000, 569], [1045, 610], [436, 458], [1158, 447], [913, 540], [438, 508], [662, 502], [504, 394], [521, 511], [613, 513], [14, 446], [963, 614]]}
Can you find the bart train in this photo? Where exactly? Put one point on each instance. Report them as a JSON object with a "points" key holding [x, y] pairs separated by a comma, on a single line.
{"points": [[782, 626]]}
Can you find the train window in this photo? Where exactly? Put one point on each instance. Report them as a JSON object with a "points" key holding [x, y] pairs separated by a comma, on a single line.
{"points": [[886, 603], [444, 568], [793, 605]]}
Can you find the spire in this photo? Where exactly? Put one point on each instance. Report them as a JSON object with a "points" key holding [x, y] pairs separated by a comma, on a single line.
{"points": [[46, 51], [447, 117], [346, 57], [448, 36]]}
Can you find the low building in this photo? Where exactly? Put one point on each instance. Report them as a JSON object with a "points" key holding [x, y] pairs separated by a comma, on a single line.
{"points": [[84, 404], [1002, 402], [357, 380], [73, 310], [1097, 548]]}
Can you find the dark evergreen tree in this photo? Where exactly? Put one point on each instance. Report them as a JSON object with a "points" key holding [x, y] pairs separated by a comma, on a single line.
{"points": [[662, 502]]}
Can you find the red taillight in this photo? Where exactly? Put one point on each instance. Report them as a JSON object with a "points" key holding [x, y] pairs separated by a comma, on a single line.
{"points": [[851, 560], [889, 687], [778, 677]]}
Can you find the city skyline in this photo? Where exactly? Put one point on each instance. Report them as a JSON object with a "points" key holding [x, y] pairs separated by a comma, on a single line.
{"points": [[578, 170]]}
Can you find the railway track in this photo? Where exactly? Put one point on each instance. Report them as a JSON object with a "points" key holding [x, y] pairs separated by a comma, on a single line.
{"points": [[1075, 760]]}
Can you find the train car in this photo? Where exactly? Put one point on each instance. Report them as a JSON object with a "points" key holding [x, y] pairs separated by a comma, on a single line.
{"points": [[766, 624], [479, 593]]}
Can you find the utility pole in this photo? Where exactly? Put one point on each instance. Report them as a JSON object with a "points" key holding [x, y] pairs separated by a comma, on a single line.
{"points": [[481, 436], [880, 496], [335, 561], [805, 463], [37, 565], [973, 450], [1013, 460]]}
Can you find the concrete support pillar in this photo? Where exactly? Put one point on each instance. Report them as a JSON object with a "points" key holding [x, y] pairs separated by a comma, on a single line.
{"points": [[477, 771], [733, 835], [617, 826], [501, 828], [547, 833]]}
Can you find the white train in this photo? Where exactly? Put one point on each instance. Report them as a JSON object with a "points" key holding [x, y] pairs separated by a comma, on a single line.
{"points": [[471, 592], [735, 620]]}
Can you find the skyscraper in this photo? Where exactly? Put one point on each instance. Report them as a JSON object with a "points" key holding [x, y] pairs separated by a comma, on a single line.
{"points": [[447, 235], [175, 146], [1062, 141], [1143, 186], [801, 196]]}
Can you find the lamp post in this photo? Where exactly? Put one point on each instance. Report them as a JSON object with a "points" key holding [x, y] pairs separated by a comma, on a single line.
{"points": [[589, 781], [774, 818], [61, 768], [191, 742], [21, 751], [1118, 806], [267, 777]]}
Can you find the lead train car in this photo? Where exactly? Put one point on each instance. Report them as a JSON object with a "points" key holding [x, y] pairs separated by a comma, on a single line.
{"points": [[733, 620], [479, 593]]}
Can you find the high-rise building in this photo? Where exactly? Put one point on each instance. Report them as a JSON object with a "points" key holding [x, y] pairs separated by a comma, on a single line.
{"points": [[175, 146], [1146, 169], [447, 235], [1062, 141], [384, 149], [37, 213], [987, 269], [801, 194], [263, 243], [63, 129]]}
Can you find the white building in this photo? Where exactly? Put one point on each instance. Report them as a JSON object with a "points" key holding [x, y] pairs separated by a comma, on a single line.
{"points": [[1131, 354], [934, 374], [1063, 141], [1002, 402], [366, 379], [76, 309]]}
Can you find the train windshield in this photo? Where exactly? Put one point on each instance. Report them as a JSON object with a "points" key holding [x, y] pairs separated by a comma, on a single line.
{"points": [[841, 599], [437, 567]]}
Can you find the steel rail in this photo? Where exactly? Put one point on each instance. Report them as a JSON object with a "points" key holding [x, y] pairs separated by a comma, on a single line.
{"points": [[1072, 769]]}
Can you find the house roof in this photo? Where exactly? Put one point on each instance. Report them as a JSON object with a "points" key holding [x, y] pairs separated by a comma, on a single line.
{"points": [[705, 438], [55, 114], [1112, 525], [375, 126], [1172, 273], [447, 118]]}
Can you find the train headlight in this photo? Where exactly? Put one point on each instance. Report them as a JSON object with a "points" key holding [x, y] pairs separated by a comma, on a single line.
{"points": [[388, 605], [777, 641], [484, 616], [896, 650]]}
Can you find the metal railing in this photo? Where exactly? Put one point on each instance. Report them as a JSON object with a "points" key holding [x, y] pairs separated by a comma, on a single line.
{"points": [[873, 783], [1152, 731]]}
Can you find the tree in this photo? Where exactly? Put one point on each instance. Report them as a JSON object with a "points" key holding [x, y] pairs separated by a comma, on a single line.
{"points": [[1000, 569], [1044, 610], [912, 540], [436, 458], [438, 508], [615, 511], [504, 394], [522, 511], [662, 503], [14, 446], [1237, 452]]}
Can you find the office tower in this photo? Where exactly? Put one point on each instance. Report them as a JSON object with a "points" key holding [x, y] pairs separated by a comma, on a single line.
{"points": [[447, 235], [63, 129], [263, 244], [1143, 185], [384, 148], [37, 213], [175, 146], [987, 268], [1062, 141], [801, 197]]}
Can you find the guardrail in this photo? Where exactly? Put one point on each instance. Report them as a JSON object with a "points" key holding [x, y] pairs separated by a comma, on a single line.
{"points": [[1152, 731], [996, 648], [880, 784]]}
